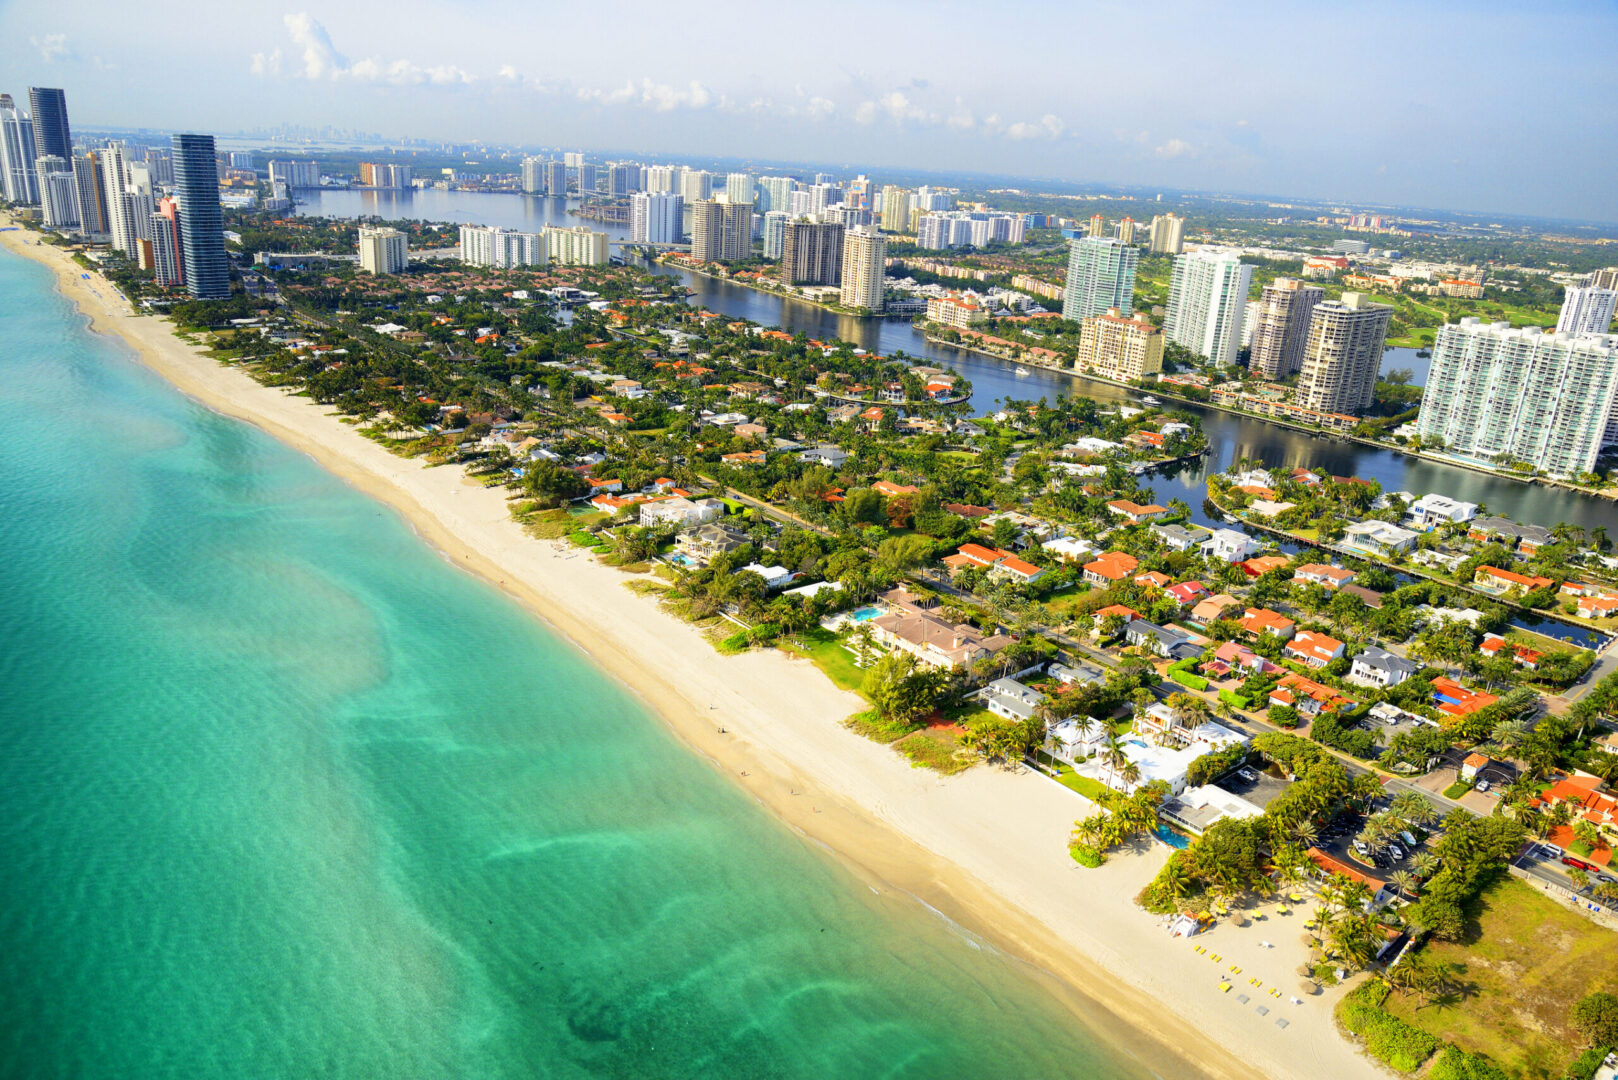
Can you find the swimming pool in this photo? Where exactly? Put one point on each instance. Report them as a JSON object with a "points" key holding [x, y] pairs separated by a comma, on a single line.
{"points": [[1136, 742], [1172, 838], [686, 561], [864, 614]]}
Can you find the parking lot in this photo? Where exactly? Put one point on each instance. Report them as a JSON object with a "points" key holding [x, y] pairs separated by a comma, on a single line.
{"points": [[1252, 783], [1337, 840]]}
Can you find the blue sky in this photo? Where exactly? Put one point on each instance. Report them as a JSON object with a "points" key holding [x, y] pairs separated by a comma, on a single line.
{"points": [[1489, 107]]}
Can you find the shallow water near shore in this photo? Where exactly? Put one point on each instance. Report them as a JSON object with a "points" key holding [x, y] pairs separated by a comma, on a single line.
{"points": [[285, 794]]}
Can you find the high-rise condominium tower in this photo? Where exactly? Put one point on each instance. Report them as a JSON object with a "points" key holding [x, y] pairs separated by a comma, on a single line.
{"points": [[1100, 276], [775, 233], [92, 195], [739, 188], [18, 173], [865, 253], [1343, 354], [58, 193], [383, 250], [1207, 302], [654, 218], [1098, 226], [1586, 310], [812, 254], [202, 228], [1495, 393], [896, 209], [1167, 234], [1281, 327], [52, 137]]}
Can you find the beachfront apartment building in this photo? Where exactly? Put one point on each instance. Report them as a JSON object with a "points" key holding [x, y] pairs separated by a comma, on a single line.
{"points": [[1100, 277], [1343, 354], [1497, 393], [1114, 347], [1207, 303]]}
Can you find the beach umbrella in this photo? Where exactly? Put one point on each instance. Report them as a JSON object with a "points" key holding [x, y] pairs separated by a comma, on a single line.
{"points": [[1239, 919], [1305, 969], [1308, 939], [1308, 987]]}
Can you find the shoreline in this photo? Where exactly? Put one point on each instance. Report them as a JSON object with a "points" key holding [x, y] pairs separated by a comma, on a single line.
{"points": [[985, 849]]}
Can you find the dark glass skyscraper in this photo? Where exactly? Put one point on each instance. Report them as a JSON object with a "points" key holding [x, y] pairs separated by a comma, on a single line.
{"points": [[51, 134], [202, 226]]}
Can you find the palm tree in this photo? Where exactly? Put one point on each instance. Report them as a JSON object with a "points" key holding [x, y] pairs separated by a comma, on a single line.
{"points": [[1306, 832], [1130, 773], [1425, 865], [1412, 808], [1404, 881], [1112, 755]]}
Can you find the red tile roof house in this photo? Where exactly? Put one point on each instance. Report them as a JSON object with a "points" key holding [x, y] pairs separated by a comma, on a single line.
{"points": [[1126, 613], [1238, 657], [1582, 792], [1111, 567], [1186, 592], [1492, 579], [998, 563], [1153, 579], [1598, 607], [1262, 564], [1265, 621], [1137, 513], [1314, 649], [1453, 699], [889, 488], [1307, 696], [1332, 577], [1522, 654]]}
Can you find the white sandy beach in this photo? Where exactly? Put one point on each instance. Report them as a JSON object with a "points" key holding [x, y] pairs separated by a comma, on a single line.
{"points": [[987, 848]]}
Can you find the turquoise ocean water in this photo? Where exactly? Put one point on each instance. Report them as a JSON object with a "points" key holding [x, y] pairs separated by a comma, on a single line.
{"points": [[284, 795]]}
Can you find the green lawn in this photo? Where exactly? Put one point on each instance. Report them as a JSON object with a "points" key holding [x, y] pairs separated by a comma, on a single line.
{"points": [[1090, 789], [1532, 960], [826, 652]]}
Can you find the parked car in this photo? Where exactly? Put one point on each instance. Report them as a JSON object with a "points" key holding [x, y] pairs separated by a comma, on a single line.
{"points": [[1396, 851], [1360, 846], [1409, 838], [1249, 775], [1483, 785], [1579, 864]]}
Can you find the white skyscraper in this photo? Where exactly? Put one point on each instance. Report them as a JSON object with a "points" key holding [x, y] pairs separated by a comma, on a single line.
{"points": [[696, 186], [739, 188], [18, 180], [501, 248], [1586, 310], [533, 175], [1100, 276], [660, 178], [654, 218], [383, 250], [1343, 353], [864, 254], [58, 193], [1496, 393], [120, 223], [776, 193], [1207, 303], [775, 231], [1167, 234], [294, 174]]}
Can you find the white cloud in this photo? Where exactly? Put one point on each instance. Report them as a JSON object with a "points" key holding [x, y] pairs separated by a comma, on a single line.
{"points": [[1048, 127], [320, 57], [1174, 148], [52, 47], [820, 108], [267, 63], [656, 96]]}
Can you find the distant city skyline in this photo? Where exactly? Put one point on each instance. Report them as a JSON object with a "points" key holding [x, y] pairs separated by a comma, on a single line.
{"points": [[1386, 104]]}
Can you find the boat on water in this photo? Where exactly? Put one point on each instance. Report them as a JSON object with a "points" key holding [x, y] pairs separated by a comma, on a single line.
{"points": [[1020, 370], [1150, 400]]}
